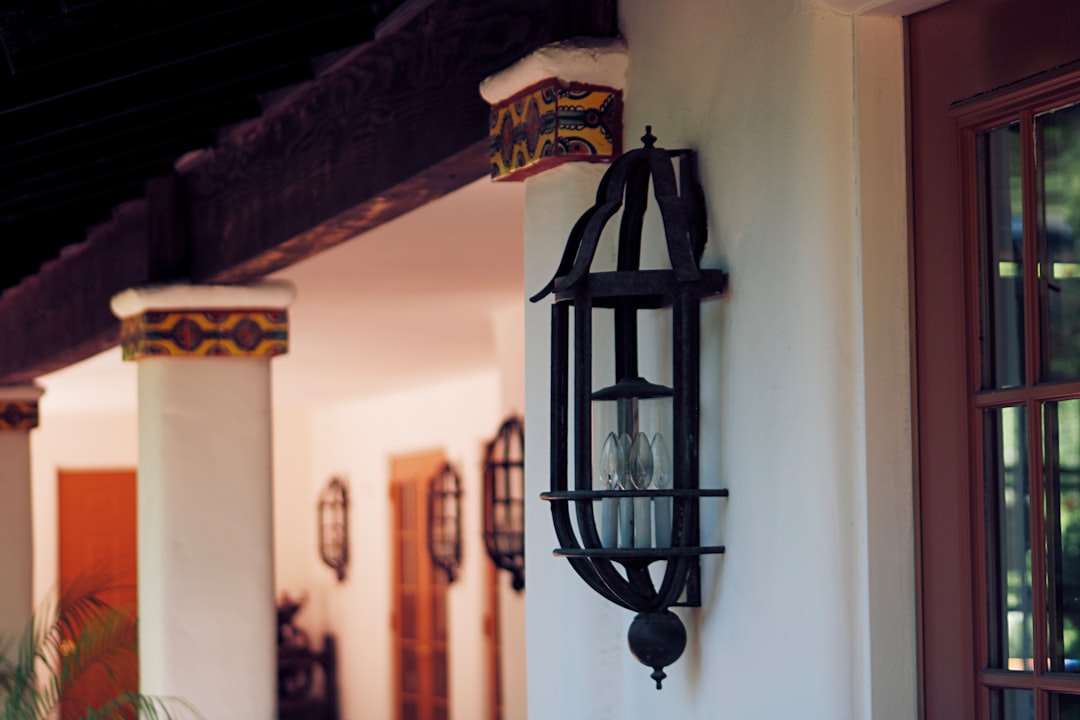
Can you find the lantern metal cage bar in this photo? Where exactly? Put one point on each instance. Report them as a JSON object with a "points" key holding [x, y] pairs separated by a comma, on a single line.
{"points": [[333, 511], [504, 499], [444, 520], [634, 482]]}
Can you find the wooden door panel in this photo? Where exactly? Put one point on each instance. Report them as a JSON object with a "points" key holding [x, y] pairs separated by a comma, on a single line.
{"points": [[493, 635], [420, 642], [97, 537], [97, 528]]}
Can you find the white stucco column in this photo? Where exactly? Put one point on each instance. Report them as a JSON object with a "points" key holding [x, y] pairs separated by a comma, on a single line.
{"points": [[556, 123], [206, 585], [18, 415]]}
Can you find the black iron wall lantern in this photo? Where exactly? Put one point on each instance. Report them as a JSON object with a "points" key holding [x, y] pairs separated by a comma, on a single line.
{"points": [[504, 496], [636, 495], [444, 521], [334, 526]]}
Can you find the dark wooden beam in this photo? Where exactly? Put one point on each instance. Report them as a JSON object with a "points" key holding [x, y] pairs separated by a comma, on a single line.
{"points": [[395, 124], [433, 182], [167, 229], [390, 126], [61, 315]]}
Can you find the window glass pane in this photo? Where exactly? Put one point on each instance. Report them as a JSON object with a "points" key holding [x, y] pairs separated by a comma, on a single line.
{"points": [[1008, 538], [438, 615], [1058, 155], [409, 630], [1061, 440], [410, 670], [1012, 705], [407, 561], [1001, 282], [1064, 707], [442, 685], [406, 507]]}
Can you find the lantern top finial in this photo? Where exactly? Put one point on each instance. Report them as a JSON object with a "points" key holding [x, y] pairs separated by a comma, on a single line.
{"points": [[648, 138]]}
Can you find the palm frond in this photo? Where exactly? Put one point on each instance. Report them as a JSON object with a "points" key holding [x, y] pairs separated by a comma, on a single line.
{"points": [[149, 708], [74, 643]]}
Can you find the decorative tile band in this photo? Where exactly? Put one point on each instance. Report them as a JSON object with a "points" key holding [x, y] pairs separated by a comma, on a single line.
{"points": [[202, 333], [18, 414], [551, 123]]}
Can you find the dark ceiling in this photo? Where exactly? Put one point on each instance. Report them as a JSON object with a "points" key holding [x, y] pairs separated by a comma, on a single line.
{"points": [[98, 96]]}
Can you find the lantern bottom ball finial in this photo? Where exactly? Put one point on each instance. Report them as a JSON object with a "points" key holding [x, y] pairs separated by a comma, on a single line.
{"points": [[657, 639]]}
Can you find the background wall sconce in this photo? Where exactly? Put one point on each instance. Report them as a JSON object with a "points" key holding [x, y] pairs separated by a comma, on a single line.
{"points": [[636, 492], [504, 497], [444, 521], [334, 526]]}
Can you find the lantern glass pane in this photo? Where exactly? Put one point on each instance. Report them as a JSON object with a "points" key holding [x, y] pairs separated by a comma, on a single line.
{"points": [[632, 440], [506, 494], [444, 526]]}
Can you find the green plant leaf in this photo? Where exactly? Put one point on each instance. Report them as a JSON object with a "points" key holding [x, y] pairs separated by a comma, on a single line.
{"points": [[74, 642]]}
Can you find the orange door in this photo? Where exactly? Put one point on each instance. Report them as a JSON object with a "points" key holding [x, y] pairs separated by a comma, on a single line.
{"points": [[420, 637], [494, 641], [97, 538]]}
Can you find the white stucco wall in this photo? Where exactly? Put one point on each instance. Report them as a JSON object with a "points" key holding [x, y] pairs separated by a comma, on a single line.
{"points": [[508, 323], [356, 440], [887, 546], [297, 567], [766, 93], [71, 441], [79, 440]]}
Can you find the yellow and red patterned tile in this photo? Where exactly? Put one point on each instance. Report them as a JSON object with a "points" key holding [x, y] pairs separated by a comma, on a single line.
{"points": [[551, 123], [205, 333], [18, 414]]}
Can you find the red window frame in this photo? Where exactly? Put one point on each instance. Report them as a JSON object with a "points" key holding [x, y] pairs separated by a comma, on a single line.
{"points": [[962, 49]]}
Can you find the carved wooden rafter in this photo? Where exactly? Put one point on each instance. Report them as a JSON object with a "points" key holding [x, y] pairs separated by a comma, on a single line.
{"points": [[394, 123]]}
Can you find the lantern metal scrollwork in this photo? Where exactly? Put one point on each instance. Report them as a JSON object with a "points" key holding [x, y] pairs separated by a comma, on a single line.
{"points": [[444, 521], [504, 499], [636, 489], [334, 526]]}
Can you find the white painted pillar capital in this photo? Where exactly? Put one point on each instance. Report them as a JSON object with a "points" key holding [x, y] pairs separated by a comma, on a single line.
{"points": [[563, 103], [207, 617], [18, 416], [204, 320]]}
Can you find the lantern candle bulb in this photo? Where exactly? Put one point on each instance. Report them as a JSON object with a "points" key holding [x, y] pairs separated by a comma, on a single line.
{"points": [[608, 479], [662, 480], [641, 475], [626, 504]]}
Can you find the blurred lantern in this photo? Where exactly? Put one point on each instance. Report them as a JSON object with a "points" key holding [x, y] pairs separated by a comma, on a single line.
{"points": [[334, 526], [504, 494], [444, 521]]}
